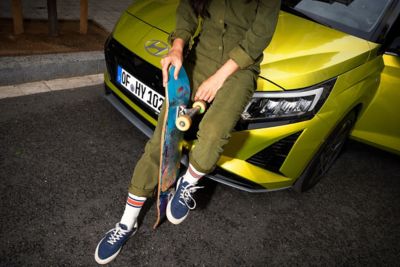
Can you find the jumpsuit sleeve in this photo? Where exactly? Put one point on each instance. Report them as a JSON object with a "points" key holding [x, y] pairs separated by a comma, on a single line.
{"points": [[258, 36], [186, 22]]}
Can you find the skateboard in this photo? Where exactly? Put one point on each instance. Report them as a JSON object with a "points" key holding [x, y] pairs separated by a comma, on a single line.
{"points": [[177, 119]]}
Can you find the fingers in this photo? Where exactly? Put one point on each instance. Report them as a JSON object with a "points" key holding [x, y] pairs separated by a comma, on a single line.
{"points": [[205, 94], [209, 97], [199, 94], [177, 69], [165, 62]]}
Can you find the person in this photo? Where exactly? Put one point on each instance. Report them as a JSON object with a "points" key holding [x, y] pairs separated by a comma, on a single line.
{"points": [[222, 66]]}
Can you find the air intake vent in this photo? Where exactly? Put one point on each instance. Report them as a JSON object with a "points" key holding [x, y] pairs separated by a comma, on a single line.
{"points": [[272, 157]]}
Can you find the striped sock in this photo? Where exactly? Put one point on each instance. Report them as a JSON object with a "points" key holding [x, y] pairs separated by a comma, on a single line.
{"points": [[132, 208], [192, 176]]}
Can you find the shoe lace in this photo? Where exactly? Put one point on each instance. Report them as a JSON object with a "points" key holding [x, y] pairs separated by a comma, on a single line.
{"points": [[186, 195], [116, 234]]}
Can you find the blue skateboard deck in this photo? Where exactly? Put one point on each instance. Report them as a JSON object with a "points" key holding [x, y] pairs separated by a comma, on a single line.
{"points": [[177, 94]]}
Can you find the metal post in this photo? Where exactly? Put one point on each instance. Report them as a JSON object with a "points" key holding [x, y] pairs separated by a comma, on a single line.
{"points": [[18, 20], [84, 17], [52, 15]]}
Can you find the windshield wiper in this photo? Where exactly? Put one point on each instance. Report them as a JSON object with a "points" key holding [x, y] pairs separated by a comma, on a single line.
{"points": [[344, 2]]}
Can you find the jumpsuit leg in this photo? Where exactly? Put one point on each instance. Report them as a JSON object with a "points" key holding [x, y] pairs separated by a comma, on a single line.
{"points": [[145, 175], [220, 119]]}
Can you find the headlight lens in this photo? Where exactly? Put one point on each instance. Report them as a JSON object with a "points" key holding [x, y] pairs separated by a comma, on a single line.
{"points": [[272, 106]]}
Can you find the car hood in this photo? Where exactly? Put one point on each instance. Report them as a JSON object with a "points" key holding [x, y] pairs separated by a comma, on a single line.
{"points": [[302, 52], [158, 13]]}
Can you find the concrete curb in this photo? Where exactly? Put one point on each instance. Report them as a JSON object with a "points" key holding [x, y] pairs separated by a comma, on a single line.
{"points": [[46, 86], [23, 69]]}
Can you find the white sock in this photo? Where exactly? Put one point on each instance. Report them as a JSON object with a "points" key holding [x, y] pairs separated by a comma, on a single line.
{"points": [[192, 176], [132, 208]]}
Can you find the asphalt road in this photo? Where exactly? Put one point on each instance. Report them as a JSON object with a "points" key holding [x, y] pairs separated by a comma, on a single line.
{"points": [[65, 163]]}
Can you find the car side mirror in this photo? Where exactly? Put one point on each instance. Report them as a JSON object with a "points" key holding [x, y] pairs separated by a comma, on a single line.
{"points": [[394, 46]]}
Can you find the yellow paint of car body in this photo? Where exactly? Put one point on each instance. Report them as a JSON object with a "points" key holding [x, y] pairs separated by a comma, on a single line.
{"points": [[157, 12], [134, 33], [310, 53], [267, 179], [374, 128]]}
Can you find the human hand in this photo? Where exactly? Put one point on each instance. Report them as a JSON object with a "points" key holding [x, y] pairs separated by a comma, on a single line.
{"points": [[174, 58], [209, 88]]}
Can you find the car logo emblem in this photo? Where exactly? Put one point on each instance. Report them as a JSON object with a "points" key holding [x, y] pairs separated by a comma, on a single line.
{"points": [[156, 48]]}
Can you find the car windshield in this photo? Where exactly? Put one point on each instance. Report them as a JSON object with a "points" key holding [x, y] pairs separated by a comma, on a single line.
{"points": [[358, 17]]}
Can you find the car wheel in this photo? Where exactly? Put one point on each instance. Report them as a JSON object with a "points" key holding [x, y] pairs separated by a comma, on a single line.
{"points": [[326, 155]]}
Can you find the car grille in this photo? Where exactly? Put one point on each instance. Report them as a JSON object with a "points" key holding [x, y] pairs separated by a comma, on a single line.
{"points": [[116, 54], [272, 157]]}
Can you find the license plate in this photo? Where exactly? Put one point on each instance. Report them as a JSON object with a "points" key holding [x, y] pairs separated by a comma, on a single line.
{"points": [[143, 92]]}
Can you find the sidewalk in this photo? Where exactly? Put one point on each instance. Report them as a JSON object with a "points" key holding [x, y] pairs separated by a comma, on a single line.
{"points": [[26, 69]]}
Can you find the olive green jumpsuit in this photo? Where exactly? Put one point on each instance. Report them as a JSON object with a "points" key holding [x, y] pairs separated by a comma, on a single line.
{"points": [[238, 30]]}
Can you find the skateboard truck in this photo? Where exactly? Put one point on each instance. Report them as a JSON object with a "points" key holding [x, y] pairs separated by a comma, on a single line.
{"points": [[185, 115]]}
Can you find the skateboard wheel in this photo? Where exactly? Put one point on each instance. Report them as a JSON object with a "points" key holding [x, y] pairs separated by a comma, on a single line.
{"points": [[201, 105], [183, 123]]}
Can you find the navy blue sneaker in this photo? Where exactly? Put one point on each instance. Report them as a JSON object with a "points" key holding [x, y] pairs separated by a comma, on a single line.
{"points": [[109, 247], [182, 202]]}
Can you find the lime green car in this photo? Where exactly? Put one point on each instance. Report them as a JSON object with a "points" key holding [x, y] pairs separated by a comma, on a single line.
{"points": [[331, 71]]}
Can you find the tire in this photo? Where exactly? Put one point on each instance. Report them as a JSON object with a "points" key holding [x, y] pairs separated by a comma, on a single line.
{"points": [[326, 155]]}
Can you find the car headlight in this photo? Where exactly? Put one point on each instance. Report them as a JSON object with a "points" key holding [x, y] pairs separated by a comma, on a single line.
{"points": [[289, 105]]}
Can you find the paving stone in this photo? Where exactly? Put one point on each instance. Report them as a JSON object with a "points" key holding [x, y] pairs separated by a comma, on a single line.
{"points": [[33, 88], [10, 91], [97, 78], [75, 82]]}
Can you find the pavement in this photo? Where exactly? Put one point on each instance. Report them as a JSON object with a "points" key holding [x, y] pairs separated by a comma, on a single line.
{"points": [[24, 69], [66, 159]]}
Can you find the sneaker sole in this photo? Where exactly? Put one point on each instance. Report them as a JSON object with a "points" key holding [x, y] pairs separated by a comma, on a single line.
{"points": [[107, 260], [171, 218], [113, 256]]}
